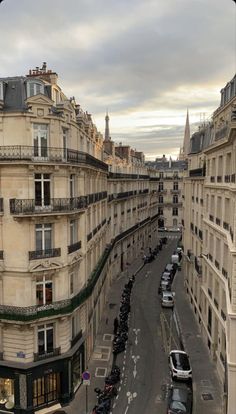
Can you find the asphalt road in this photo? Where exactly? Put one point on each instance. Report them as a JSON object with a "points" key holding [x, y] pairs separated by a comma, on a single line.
{"points": [[146, 378]]}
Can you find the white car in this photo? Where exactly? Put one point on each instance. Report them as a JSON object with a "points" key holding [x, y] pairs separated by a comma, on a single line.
{"points": [[167, 299], [179, 365]]}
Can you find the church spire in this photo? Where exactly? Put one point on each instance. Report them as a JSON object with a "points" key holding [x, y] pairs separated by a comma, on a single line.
{"points": [[186, 137], [107, 132]]}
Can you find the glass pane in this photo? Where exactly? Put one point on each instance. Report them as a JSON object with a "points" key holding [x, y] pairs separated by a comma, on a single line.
{"points": [[41, 343], [46, 193], [36, 145], [48, 239], [38, 193], [49, 334], [39, 294], [39, 245], [44, 149], [48, 292]]}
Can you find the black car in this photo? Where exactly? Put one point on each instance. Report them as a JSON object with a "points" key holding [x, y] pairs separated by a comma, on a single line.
{"points": [[180, 399]]}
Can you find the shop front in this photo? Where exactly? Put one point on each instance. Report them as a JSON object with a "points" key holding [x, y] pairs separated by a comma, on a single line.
{"points": [[31, 387]]}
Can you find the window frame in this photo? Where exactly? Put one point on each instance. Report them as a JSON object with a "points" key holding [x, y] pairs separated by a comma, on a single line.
{"points": [[35, 83]]}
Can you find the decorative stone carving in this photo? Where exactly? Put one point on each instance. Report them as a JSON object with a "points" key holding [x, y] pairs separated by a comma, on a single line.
{"points": [[44, 265]]}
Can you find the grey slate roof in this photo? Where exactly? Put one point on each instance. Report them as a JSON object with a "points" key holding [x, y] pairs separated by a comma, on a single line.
{"points": [[14, 93]]}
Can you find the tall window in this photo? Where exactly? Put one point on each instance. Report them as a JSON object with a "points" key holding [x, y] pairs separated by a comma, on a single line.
{"points": [[73, 231], [43, 236], [45, 338], [175, 212], [42, 189], [161, 174], [72, 185], [65, 142], [175, 199], [34, 88], [71, 283], [160, 211], [160, 199], [175, 186], [43, 290], [160, 187], [40, 132]]}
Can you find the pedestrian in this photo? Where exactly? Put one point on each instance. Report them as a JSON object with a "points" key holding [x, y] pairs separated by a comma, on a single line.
{"points": [[116, 325]]}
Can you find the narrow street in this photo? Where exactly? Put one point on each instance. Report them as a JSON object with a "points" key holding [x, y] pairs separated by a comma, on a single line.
{"points": [[146, 377]]}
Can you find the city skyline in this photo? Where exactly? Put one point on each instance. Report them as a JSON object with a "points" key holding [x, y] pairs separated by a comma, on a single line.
{"points": [[146, 63]]}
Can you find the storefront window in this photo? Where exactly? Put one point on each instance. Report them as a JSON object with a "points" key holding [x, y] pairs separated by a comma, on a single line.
{"points": [[77, 368], [7, 393], [46, 389]]}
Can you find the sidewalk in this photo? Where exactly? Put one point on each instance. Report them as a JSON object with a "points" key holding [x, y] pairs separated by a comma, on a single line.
{"points": [[207, 388], [102, 357]]}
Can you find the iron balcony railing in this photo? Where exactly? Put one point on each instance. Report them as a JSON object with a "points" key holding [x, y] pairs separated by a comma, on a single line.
{"points": [[49, 154], [76, 338], [121, 176], [95, 197], [45, 355], [74, 247], [55, 205], [44, 254], [197, 172]]}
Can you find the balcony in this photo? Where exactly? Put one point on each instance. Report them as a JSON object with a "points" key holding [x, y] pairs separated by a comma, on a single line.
{"points": [[74, 247], [225, 225], [161, 191], [95, 197], [224, 273], [76, 338], [51, 154], [45, 355], [44, 254], [29, 207], [227, 178], [197, 172]]}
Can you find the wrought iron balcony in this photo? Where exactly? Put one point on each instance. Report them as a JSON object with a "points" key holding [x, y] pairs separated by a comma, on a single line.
{"points": [[45, 355], [74, 247], [197, 172], [76, 338], [51, 154], [175, 191], [44, 254], [56, 205]]}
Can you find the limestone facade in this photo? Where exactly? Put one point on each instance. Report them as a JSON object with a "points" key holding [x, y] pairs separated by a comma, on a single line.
{"points": [[209, 239]]}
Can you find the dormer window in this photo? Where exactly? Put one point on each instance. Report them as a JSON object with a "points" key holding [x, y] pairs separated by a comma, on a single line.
{"points": [[34, 88]]}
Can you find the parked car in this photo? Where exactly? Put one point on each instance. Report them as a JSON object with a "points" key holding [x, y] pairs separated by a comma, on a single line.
{"points": [[166, 276], [170, 268], [164, 285], [167, 299], [179, 365], [180, 399]]}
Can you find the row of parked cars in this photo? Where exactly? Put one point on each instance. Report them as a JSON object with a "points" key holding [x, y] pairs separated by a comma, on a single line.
{"points": [[180, 396]]}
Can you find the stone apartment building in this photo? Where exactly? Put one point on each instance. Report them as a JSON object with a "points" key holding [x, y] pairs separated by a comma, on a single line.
{"points": [[169, 191], [74, 210], [209, 228]]}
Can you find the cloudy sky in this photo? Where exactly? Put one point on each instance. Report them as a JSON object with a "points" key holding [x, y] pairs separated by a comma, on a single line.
{"points": [[147, 61]]}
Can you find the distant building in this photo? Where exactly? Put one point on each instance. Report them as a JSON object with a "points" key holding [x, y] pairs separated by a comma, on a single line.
{"points": [[169, 191]]}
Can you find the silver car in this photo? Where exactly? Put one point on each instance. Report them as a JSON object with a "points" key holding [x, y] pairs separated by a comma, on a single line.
{"points": [[167, 299]]}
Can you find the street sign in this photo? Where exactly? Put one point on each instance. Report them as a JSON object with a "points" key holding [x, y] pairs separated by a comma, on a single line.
{"points": [[86, 378]]}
